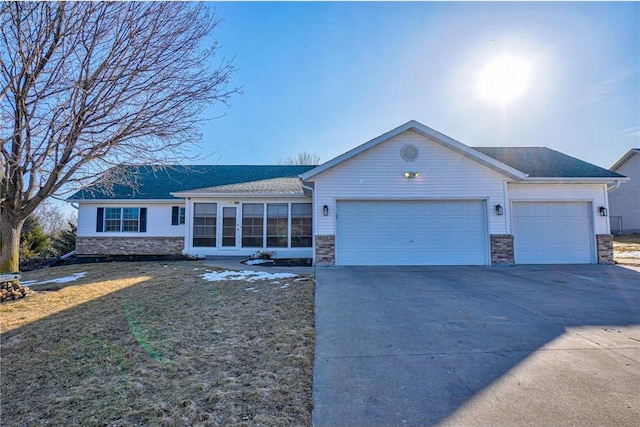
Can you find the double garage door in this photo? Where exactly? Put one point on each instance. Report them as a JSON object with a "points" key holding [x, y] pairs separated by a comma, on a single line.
{"points": [[454, 232], [411, 233]]}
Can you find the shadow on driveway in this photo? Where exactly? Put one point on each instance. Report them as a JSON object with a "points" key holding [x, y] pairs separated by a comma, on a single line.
{"points": [[477, 346]]}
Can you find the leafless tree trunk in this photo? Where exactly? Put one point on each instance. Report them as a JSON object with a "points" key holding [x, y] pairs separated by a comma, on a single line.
{"points": [[86, 86]]}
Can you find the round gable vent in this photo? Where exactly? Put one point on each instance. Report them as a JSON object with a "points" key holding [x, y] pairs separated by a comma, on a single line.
{"points": [[409, 152]]}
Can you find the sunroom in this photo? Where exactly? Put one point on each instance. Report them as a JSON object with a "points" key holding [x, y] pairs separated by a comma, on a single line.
{"points": [[274, 216]]}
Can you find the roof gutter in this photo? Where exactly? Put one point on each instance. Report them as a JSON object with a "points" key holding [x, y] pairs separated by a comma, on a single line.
{"points": [[574, 180]]}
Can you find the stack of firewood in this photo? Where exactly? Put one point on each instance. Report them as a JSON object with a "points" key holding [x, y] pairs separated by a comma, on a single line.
{"points": [[12, 290]]}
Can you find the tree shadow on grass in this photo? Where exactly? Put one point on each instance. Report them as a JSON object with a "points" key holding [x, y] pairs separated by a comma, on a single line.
{"points": [[172, 349]]}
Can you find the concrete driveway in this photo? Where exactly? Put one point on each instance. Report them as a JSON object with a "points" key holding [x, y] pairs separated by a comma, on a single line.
{"points": [[477, 346]]}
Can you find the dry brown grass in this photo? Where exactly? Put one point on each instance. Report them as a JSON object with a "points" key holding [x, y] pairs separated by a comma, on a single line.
{"points": [[155, 344], [625, 244]]}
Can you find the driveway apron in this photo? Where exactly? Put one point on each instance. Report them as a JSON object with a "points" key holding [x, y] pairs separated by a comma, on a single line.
{"points": [[477, 346]]}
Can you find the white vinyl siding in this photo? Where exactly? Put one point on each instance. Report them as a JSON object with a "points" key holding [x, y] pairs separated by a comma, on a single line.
{"points": [[595, 194], [552, 233], [411, 233], [158, 219], [378, 173], [624, 202]]}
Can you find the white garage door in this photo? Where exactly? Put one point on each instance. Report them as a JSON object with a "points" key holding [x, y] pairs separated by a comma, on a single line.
{"points": [[552, 233], [411, 233]]}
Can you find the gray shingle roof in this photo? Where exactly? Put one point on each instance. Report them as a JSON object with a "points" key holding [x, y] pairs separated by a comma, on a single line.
{"points": [[543, 162], [157, 183], [274, 186]]}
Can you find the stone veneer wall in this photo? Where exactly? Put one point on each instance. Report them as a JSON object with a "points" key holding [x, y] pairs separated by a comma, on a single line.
{"points": [[605, 248], [325, 250], [129, 245], [502, 249]]}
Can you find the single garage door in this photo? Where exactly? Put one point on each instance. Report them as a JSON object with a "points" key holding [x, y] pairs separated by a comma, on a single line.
{"points": [[552, 233], [411, 233]]}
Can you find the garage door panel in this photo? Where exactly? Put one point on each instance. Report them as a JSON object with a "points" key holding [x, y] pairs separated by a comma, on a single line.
{"points": [[552, 233], [411, 233]]}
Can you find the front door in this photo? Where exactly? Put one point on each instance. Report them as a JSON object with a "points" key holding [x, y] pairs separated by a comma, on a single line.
{"points": [[230, 227]]}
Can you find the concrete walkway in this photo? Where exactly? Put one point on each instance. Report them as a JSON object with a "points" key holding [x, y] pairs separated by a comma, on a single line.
{"points": [[477, 346]]}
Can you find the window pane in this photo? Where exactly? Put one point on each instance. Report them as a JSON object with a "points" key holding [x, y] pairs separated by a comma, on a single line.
{"points": [[204, 224], [181, 216], [252, 224], [130, 219], [277, 218], [301, 225], [112, 219], [229, 226]]}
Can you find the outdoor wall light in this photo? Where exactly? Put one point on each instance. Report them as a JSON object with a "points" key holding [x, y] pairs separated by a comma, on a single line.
{"points": [[325, 210], [603, 211], [411, 175], [499, 210]]}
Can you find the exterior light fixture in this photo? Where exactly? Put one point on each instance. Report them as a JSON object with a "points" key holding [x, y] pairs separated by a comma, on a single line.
{"points": [[499, 210], [411, 175], [603, 211], [325, 210]]}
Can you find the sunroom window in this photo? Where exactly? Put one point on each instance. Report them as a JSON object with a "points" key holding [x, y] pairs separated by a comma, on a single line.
{"points": [[204, 224], [301, 225], [277, 225]]}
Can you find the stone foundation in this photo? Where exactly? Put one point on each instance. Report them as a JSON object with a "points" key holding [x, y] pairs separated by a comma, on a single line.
{"points": [[325, 250], [129, 245], [605, 248], [502, 249]]}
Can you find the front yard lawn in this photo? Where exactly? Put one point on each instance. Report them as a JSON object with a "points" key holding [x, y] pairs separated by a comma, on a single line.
{"points": [[157, 344]]}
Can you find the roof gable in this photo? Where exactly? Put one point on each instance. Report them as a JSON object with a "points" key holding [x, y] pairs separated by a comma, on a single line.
{"points": [[543, 162], [157, 183], [428, 133], [628, 155]]}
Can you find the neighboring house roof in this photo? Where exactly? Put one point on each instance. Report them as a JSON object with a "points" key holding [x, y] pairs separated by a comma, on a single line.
{"points": [[629, 154], [157, 183], [271, 187], [429, 133], [543, 162]]}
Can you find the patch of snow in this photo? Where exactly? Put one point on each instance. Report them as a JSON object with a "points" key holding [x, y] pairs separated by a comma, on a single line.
{"points": [[249, 276], [285, 286], [258, 262], [65, 279]]}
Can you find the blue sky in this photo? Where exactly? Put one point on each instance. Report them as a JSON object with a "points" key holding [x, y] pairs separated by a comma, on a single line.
{"points": [[325, 77]]}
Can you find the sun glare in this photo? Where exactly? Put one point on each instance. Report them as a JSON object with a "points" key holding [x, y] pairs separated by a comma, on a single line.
{"points": [[504, 79]]}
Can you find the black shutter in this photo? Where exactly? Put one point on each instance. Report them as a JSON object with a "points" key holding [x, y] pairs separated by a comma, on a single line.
{"points": [[100, 220], [143, 220], [175, 215]]}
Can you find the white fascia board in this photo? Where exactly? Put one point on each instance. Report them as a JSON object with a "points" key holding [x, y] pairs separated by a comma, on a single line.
{"points": [[138, 201], [429, 133], [624, 158], [573, 180]]}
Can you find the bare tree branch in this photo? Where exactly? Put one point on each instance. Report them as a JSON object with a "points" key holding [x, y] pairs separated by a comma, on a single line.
{"points": [[88, 85]]}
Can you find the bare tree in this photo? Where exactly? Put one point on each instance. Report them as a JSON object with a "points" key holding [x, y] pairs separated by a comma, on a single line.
{"points": [[86, 86], [302, 158], [53, 217]]}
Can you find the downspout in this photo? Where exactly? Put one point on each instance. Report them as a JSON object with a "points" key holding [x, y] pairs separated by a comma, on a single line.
{"points": [[616, 185], [315, 225]]}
